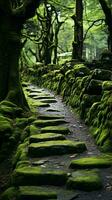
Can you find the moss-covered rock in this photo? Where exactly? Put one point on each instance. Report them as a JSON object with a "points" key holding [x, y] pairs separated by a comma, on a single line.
{"points": [[94, 87], [46, 137], [85, 180], [29, 193], [55, 148], [92, 162], [10, 193], [33, 130], [21, 153], [40, 104], [51, 122], [80, 70], [107, 85], [38, 176], [101, 74], [55, 129]]}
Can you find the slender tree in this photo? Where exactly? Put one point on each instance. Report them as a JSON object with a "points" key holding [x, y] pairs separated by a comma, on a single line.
{"points": [[78, 31], [13, 14]]}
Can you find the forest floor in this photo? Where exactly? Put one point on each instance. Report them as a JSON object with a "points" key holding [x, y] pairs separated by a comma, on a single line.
{"points": [[64, 140]]}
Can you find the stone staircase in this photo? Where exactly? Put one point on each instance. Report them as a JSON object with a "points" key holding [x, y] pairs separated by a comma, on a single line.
{"points": [[46, 167]]}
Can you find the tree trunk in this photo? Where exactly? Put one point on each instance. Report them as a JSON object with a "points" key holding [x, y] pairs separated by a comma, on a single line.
{"points": [[78, 31], [108, 19], [10, 49]]}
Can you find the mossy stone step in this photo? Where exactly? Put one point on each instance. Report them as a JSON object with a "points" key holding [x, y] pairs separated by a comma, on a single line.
{"points": [[46, 137], [51, 122], [40, 104], [44, 97], [38, 193], [58, 147], [50, 116], [92, 162], [38, 176], [55, 129], [85, 180], [36, 94], [29, 193], [34, 193]]}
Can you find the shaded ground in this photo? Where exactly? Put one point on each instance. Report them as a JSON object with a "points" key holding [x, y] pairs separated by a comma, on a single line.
{"points": [[79, 132]]}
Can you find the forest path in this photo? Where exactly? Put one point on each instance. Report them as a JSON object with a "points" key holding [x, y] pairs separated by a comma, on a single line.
{"points": [[65, 164]]}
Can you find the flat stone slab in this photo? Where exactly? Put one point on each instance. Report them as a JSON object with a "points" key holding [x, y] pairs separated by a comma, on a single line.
{"points": [[58, 147], [39, 193], [92, 162], [38, 176], [51, 116], [34, 193], [44, 97], [40, 104], [85, 180], [46, 137], [55, 129], [51, 122]]}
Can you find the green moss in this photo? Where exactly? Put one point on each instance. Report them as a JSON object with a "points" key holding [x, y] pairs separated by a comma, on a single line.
{"points": [[102, 137], [40, 104], [6, 129], [51, 122], [55, 129], [94, 87], [55, 148], [21, 153], [50, 116], [34, 130], [10, 193], [85, 180], [80, 70], [107, 85], [38, 176], [8, 103], [92, 162], [46, 137], [29, 192], [44, 98], [101, 74], [34, 192]]}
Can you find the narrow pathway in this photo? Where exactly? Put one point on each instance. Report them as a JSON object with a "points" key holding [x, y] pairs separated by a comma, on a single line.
{"points": [[63, 161]]}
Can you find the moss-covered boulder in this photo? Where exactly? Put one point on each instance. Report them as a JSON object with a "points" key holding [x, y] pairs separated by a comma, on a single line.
{"points": [[38, 176], [80, 70], [46, 137], [85, 180], [55, 148], [92, 162], [101, 74]]}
